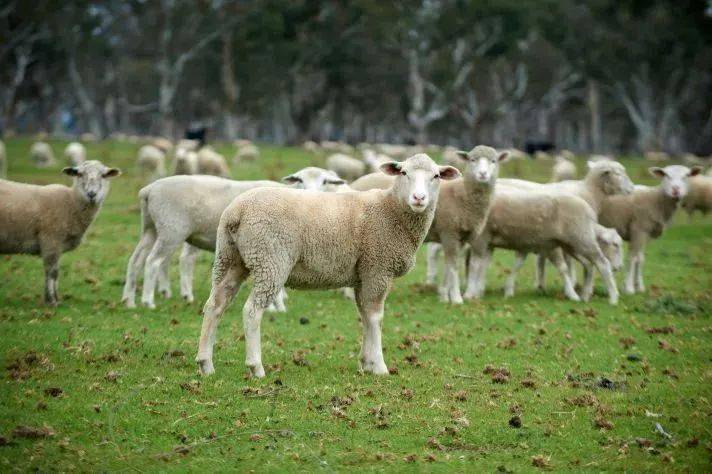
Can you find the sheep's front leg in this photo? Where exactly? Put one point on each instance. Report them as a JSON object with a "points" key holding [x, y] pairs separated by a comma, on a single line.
{"points": [[519, 260], [639, 285], [188, 256], [433, 251], [51, 267], [541, 272], [369, 301], [164, 282], [473, 270], [557, 258], [451, 248], [587, 288], [635, 253]]}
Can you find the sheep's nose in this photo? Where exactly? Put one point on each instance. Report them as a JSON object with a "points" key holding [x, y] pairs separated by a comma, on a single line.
{"points": [[91, 195], [675, 191], [419, 197], [483, 175]]}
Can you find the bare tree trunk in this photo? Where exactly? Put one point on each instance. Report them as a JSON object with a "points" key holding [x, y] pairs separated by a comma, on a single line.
{"points": [[230, 87], [594, 110], [22, 59], [89, 109]]}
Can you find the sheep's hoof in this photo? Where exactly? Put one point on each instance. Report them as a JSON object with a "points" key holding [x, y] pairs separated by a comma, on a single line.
{"points": [[375, 368], [167, 294], [148, 304], [188, 298], [129, 303], [205, 366], [629, 290], [52, 303], [257, 371]]}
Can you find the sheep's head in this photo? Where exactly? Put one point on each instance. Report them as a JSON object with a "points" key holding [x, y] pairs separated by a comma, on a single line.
{"points": [[610, 177], [611, 245], [317, 179], [675, 182], [482, 163], [418, 180], [91, 180]]}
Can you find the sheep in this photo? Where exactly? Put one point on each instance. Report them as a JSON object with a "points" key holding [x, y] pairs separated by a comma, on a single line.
{"points": [[75, 153], [657, 156], [595, 158], [699, 197], [542, 156], [450, 157], [563, 169], [163, 144], [644, 214], [186, 162], [461, 216], [151, 162], [298, 239], [188, 145], [42, 154], [240, 142], [187, 209], [310, 146], [396, 151], [51, 220], [3, 160], [540, 221], [345, 166], [247, 152], [89, 137], [211, 162], [373, 160]]}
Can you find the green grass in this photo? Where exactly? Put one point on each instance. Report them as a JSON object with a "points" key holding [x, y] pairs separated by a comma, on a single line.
{"points": [[131, 400]]}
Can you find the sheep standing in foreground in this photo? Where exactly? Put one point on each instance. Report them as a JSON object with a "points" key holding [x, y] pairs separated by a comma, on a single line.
{"points": [[187, 209], [699, 197], [539, 221], [75, 153], [3, 160], [42, 154], [345, 166], [644, 214], [51, 220], [287, 237], [563, 169], [151, 162], [211, 162]]}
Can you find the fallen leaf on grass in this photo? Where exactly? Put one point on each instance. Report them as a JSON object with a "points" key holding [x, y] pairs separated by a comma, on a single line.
{"points": [[661, 330], [602, 423], [53, 391], [541, 461], [31, 432]]}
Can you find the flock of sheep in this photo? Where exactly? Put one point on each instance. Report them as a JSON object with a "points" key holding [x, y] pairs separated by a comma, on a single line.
{"points": [[354, 226]]}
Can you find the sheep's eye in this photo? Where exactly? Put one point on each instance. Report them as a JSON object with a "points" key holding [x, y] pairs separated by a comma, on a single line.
{"points": [[437, 176], [403, 173]]}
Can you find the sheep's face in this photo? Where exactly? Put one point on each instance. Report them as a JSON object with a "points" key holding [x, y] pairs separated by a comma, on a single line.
{"points": [[482, 163], [418, 180], [675, 182], [91, 180], [611, 245], [313, 178], [611, 177]]}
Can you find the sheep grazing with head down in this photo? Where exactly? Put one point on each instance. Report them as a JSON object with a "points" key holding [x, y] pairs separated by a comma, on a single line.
{"points": [[75, 153], [644, 214], [345, 166], [211, 162], [42, 154], [699, 197], [151, 162], [563, 169], [294, 238], [185, 210], [51, 220], [246, 151]]}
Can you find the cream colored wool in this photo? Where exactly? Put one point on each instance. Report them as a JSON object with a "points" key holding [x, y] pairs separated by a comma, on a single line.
{"points": [[151, 162], [563, 169], [42, 154], [699, 197], [345, 166], [75, 153], [211, 162]]}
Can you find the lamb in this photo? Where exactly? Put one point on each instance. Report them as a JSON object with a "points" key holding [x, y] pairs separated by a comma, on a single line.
{"points": [[563, 169], [182, 209], [75, 153], [247, 152], [151, 162], [3, 160], [699, 197], [294, 238], [311, 146], [540, 221], [211, 162], [42, 154], [644, 214], [345, 166], [51, 220]]}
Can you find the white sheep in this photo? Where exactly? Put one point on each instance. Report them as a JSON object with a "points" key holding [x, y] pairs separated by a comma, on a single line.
{"points": [[212, 163], [345, 166], [151, 162], [185, 162], [3, 160], [88, 137], [370, 181], [163, 144], [51, 220], [187, 209], [563, 169], [42, 154], [298, 239], [699, 197], [75, 153], [311, 146], [657, 156], [374, 160], [247, 152], [644, 214], [539, 221]]}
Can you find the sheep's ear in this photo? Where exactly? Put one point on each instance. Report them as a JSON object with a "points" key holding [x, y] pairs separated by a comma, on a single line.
{"points": [[503, 156], [334, 180], [462, 154], [448, 172], [657, 172], [695, 170], [70, 171], [590, 164], [112, 173], [391, 168], [291, 179]]}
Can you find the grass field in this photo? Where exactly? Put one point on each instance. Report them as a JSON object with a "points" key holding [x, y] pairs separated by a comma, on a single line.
{"points": [[532, 382]]}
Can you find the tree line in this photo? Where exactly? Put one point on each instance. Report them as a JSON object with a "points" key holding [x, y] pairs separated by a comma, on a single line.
{"points": [[595, 76]]}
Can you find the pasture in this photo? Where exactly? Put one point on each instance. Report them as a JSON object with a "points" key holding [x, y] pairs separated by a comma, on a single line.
{"points": [[532, 382]]}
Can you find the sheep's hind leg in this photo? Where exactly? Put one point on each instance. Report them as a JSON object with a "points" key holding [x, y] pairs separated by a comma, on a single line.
{"points": [[541, 272], [433, 252], [557, 258], [51, 267], [164, 282], [188, 256], [451, 248], [134, 267], [370, 300], [473, 270], [228, 275], [519, 260], [162, 250]]}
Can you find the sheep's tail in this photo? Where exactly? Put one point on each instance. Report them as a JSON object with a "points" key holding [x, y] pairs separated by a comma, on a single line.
{"points": [[146, 221]]}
